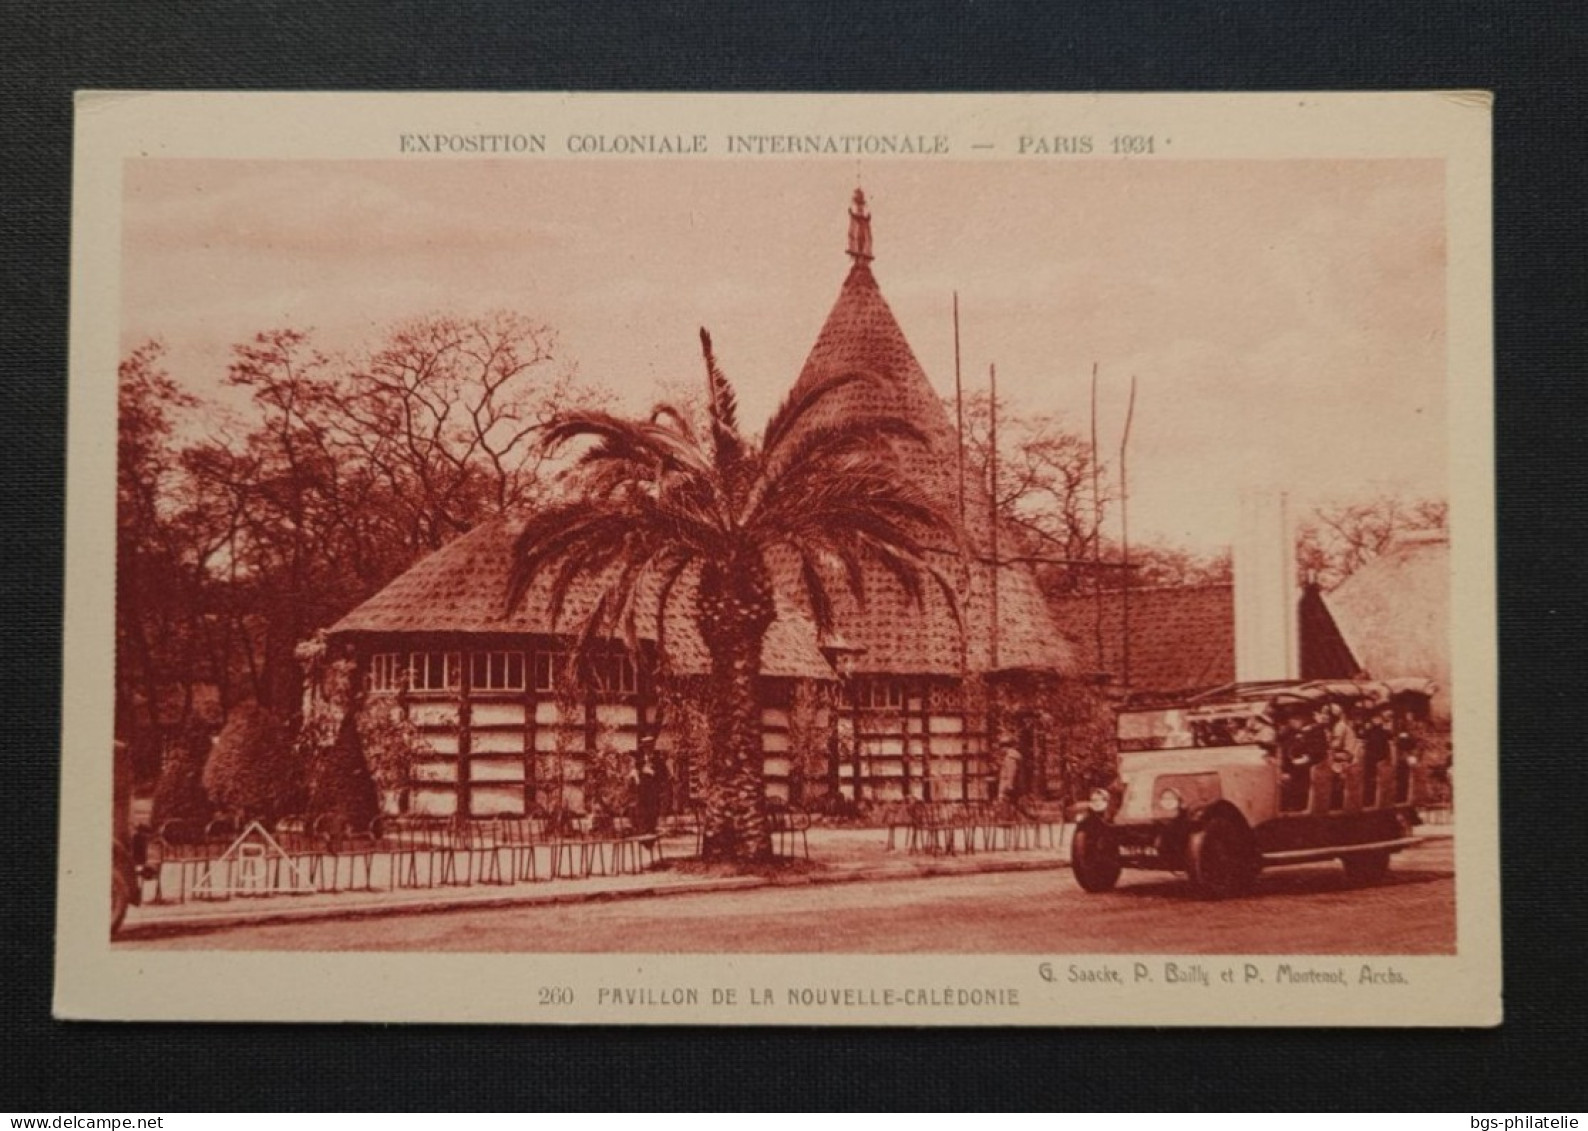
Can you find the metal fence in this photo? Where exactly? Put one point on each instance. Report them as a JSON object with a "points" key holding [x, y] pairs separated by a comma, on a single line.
{"points": [[227, 860], [951, 827]]}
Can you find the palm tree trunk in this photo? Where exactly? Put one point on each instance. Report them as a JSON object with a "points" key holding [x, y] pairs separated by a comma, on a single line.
{"points": [[735, 607], [734, 801]]}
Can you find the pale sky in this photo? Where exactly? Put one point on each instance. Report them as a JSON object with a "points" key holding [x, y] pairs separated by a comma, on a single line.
{"points": [[1285, 320]]}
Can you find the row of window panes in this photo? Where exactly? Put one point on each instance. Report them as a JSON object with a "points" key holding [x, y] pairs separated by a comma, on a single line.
{"points": [[876, 694], [490, 671], [497, 671], [417, 671], [550, 668], [609, 673]]}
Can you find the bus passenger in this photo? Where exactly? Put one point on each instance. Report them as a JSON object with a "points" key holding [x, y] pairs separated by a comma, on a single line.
{"points": [[1377, 736], [1345, 759], [1299, 752]]}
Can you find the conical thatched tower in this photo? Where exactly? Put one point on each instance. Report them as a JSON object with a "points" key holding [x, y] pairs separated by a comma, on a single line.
{"points": [[923, 722], [861, 333]]}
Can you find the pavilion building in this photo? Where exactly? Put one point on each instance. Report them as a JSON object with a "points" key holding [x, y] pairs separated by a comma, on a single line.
{"points": [[905, 700]]}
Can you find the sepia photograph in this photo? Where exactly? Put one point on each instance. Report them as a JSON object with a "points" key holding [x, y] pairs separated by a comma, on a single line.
{"points": [[974, 562]]}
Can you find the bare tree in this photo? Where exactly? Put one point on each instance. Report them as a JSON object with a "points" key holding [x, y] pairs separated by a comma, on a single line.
{"points": [[1045, 485], [1338, 539], [446, 413], [1159, 565]]}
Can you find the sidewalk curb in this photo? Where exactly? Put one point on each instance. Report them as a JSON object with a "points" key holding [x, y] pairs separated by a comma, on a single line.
{"points": [[224, 920]]}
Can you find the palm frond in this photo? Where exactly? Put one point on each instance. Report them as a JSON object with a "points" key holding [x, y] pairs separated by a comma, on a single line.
{"points": [[677, 418], [574, 538], [589, 555], [592, 629], [866, 496], [911, 571], [664, 592], [824, 450], [630, 589], [801, 401], [871, 433], [613, 612], [723, 406], [621, 440], [814, 582], [655, 500], [553, 522]]}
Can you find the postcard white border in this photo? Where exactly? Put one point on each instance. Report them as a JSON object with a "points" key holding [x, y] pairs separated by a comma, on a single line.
{"points": [[93, 980]]}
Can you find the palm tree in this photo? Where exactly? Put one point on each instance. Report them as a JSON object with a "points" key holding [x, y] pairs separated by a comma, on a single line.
{"points": [[656, 501]]}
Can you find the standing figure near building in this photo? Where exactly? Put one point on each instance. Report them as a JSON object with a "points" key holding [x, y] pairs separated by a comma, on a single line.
{"points": [[648, 787], [1009, 771]]}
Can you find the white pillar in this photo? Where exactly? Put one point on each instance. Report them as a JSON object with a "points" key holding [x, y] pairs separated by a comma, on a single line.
{"points": [[1266, 596]]}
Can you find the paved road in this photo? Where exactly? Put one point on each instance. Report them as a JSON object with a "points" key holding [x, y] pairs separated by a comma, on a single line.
{"points": [[1294, 911]]}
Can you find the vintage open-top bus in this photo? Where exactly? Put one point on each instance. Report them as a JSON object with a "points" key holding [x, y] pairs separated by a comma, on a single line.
{"points": [[1253, 776]]}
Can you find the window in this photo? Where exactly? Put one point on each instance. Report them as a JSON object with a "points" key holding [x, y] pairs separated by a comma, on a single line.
{"points": [[613, 673], [609, 674], [417, 671], [435, 671], [550, 668], [496, 671], [387, 672], [877, 694]]}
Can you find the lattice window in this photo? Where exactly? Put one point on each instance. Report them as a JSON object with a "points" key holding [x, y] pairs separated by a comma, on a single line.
{"points": [[496, 671], [551, 668], [435, 671], [388, 671], [614, 674], [877, 694]]}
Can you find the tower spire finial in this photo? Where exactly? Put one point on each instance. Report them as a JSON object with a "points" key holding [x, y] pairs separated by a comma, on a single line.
{"points": [[860, 229]]}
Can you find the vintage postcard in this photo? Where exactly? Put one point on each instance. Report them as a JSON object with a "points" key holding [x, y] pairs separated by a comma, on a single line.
{"points": [[664, 559]]}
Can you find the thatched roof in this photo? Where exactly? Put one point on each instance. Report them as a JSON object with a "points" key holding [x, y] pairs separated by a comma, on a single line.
{"points": [[1182, 638], [1394, 612], [460, 589], [896, 635]]}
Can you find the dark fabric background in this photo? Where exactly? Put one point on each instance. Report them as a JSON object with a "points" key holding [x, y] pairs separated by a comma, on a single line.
{"points": [[1532, 55]]}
